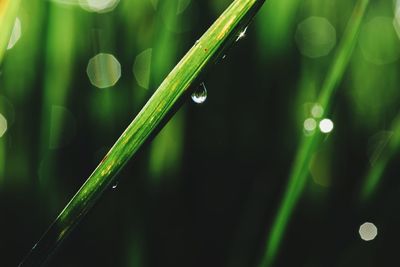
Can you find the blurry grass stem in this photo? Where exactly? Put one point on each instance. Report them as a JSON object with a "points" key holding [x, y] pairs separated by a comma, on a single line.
{"points": [[299, 173], [378, 167], [206, 50]]}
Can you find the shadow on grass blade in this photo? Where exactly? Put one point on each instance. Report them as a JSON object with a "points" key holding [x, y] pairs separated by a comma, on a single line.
{"points": [[206, 50]]}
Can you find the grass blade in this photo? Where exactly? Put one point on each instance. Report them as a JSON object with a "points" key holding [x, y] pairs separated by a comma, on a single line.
{"points": [[221, 34], [307, 147], [376, 171], [8, 13]]}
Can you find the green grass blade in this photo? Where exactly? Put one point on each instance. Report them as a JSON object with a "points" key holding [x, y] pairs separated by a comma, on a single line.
{"points": [[299, 173], [375, 173], [224, 31], [60, 51], [275, 26], [8, 13]]}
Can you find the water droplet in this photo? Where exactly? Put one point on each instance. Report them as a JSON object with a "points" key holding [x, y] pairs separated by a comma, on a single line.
{"points": [[115, 185], [197, 43], [200, 95], [242, 34]]}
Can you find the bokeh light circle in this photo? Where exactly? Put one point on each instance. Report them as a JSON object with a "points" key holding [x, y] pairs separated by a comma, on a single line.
{"points": [[15, 34], [103, 70], [315, 37], [99, 6], [368, 231], [378, 42], [326, 125]]}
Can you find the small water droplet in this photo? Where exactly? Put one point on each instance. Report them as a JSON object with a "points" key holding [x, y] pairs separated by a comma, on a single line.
{"points": [[200, 95], [197, 43], [115, 185], [242, 34]]}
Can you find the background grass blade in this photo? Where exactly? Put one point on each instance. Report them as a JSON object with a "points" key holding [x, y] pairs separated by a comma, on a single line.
{"points": [[8, 13], [375, 173], [307, 147], [221, 34]]}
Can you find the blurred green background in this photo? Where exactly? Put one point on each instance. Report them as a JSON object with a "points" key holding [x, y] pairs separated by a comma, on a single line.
{"points": [[207, 189]]}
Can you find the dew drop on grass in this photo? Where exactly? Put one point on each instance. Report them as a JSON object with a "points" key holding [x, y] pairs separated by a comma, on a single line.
{"points": [[242, 34], [200, 95], [115, 185]]}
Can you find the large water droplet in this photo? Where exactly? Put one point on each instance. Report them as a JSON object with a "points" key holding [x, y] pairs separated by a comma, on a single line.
{"points": [[200, 95]]}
